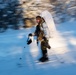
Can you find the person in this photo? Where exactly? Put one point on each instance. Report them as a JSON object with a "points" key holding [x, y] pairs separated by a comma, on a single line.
{"points": [[41, 33]]}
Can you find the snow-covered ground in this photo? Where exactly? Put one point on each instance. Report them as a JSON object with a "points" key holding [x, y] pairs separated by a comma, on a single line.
{"points": [[18, 58]]}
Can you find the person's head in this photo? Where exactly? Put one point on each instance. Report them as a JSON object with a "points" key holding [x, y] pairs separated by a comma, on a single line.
{"points": [[38, 19]]}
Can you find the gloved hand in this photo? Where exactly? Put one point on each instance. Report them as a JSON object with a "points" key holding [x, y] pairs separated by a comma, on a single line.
{"points": [[29, 42]]}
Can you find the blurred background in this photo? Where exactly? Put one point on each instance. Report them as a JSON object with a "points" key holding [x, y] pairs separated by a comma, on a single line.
{"points": [[21, 13]]}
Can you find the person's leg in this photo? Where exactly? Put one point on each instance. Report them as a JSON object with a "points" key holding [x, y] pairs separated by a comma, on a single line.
{"points": [[44, 56]]}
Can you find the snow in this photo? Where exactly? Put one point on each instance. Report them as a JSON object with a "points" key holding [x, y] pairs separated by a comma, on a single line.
{"points": [[18, 58]]}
